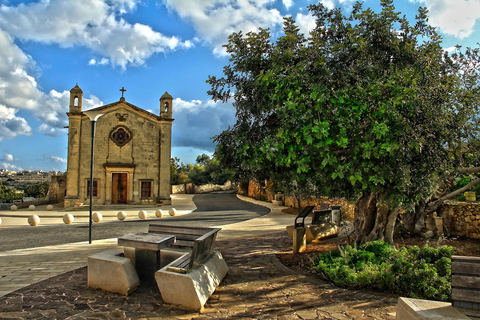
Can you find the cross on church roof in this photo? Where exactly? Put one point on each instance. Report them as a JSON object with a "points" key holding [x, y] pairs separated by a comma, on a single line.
{"points": [[123, 90]]}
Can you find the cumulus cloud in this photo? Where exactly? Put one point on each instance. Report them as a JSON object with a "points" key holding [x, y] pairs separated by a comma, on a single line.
{"points": [[95, 24], [11, 167], [102, 62], [11, 125], [453, 17], [197, 121], [55, 159], [8, 157], [215, 20], [306, 23], [287, 3], [19, 91]]}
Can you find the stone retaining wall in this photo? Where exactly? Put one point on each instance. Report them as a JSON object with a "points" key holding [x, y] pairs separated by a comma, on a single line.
{"points": [[256, 191], [461, 218]]}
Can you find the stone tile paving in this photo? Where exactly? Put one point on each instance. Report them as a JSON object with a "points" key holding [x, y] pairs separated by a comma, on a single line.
{"points": [[257, 287], [20, 268]]}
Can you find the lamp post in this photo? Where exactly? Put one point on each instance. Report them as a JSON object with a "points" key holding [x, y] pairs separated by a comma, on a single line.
{"points": [[93, 115]]}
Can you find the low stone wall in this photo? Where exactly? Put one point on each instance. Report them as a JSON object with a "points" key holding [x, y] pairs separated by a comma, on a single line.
{"points": [[262, 193], [461, 218], [214, 187], [178, 189]]}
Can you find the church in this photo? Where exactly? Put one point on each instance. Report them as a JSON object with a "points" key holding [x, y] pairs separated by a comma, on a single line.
{"points": [[132, 151]]}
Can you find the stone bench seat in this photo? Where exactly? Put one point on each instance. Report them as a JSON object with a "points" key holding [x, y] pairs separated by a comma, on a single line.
{"points": [[191, 278], [111, 271]]}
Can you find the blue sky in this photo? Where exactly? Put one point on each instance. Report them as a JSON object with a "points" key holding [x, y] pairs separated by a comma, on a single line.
{"points": [[148, 47]]}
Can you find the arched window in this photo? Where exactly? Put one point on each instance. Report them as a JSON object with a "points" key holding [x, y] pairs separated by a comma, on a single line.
{"points": [[75, 102], [166, 106]]}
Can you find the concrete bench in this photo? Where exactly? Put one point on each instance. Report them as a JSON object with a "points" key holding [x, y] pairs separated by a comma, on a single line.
{"points": [[302, 234], [185, 236], [189, 280], [111, 271]]}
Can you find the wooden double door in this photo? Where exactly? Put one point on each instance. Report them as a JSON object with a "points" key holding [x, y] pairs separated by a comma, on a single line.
{"points": [[119, 188]]}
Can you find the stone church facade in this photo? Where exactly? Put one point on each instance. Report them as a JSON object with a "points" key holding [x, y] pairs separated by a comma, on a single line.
{"points": [[132, 151]]}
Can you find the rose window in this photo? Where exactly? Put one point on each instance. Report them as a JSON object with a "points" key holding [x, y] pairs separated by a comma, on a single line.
{"points": [[120, 136]]}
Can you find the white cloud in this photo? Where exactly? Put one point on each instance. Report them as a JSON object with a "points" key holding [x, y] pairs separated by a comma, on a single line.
{"points": [[102, 62], [55, 159], [8, 157], [306, 23], [11, 167], [19, 91], [11, 125], [215, 20], [328, 3], [196, 122], [95, 24], [287, 3], [453, 17]]}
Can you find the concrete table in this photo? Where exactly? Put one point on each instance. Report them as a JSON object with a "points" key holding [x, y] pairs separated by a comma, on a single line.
{"points": [[147, 251]]}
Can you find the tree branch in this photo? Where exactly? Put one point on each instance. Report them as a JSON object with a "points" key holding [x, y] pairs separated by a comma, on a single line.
{"points": [[433, 206], [469, 170]]}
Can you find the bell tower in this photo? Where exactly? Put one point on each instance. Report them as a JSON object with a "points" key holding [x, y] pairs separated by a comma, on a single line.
{"points": [[76, 98], [166, 106], [73, 157], [165, 127]]}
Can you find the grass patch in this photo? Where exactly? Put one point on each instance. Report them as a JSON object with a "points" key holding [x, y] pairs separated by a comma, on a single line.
{"points": [[423, 273]]}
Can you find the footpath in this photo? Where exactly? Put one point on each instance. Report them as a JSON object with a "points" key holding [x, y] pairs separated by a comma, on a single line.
{"points": [[50, 283]]}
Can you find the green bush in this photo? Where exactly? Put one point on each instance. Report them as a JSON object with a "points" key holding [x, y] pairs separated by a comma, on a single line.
{"points": [[411, 271]]}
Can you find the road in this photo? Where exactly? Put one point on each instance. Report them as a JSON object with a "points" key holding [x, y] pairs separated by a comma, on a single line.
{"points": [[213, 209]]}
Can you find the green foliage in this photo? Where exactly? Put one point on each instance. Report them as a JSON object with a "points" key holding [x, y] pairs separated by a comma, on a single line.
{"points": [[368, 103], [206, 170], [37, 190], [462, 181], [8, 194], [412, 271]]}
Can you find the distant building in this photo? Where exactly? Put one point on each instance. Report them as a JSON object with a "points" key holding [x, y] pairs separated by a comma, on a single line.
{"points": [[131, 156]]}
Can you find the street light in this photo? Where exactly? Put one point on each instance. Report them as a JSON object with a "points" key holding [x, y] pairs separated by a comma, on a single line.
{"points": [[93, 115]]}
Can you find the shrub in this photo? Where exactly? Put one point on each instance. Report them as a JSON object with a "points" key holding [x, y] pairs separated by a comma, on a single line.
{"points": [[412, 271]]}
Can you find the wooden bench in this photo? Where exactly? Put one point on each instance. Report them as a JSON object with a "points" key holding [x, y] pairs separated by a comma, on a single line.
{"points": [[199, 240], [466, 285]]}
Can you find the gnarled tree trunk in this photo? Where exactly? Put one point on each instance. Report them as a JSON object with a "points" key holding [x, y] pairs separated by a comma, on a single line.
{"points": [[374, 219]]}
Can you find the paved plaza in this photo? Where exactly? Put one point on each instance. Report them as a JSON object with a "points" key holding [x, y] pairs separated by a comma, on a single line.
{"points": [[50, 283]]}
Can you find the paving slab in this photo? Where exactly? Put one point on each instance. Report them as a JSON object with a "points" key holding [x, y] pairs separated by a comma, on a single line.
{"points": [[258, 286]]}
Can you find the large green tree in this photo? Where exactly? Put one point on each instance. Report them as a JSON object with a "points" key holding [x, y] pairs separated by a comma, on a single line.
{"points": [[369, 106]]}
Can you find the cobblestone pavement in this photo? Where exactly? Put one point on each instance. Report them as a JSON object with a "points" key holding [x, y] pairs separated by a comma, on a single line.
{"points": [[258, 286]]}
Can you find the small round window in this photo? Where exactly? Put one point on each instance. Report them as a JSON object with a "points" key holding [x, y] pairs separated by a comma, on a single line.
{"points": [[121, 136]]}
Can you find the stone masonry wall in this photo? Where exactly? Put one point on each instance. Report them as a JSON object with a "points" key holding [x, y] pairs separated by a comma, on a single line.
{"points": [[461, 218], [257, 192]]}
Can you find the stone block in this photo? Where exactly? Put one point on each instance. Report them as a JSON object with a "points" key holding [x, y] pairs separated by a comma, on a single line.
{"points": [[299, 240], [316, 232], [111, 271], [191, 291], [411, 309], [277, 202]]}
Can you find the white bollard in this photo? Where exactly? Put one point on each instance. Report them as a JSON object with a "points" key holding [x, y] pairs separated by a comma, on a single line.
{"points": [[33, 220], [97, 216], [121, 215], [0, 220], [68, 218], [13, 207], [172, 212], [49, 207], [159, 213], [31, 207], [142, 214]]}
